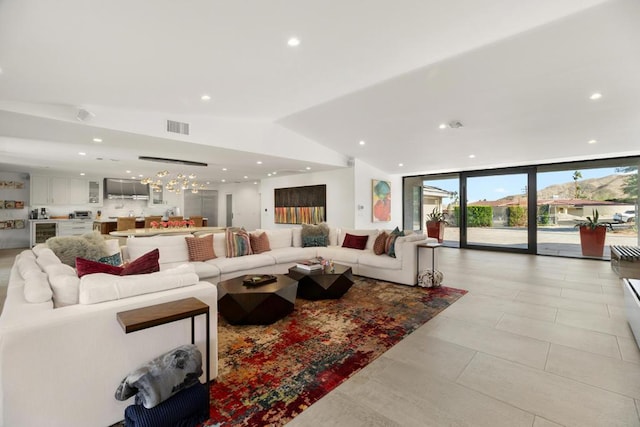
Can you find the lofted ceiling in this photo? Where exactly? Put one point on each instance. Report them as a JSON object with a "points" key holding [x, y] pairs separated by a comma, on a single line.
{"points": [[517, 75]]}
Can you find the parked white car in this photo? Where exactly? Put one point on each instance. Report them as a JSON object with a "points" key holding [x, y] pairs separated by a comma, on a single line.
{"points": [[626, 216]]}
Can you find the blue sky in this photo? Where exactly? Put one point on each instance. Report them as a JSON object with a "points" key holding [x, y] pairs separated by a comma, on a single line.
{"points": [[496, 187]]}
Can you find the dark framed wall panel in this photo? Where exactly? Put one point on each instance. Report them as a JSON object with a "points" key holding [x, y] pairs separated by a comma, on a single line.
{"points": [[300, 205]]}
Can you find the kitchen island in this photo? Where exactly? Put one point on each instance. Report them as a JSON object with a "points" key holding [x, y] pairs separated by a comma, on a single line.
{"points": [[147, 232], [107, 225]]}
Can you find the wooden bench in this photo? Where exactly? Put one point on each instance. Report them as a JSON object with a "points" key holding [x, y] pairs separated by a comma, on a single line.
{"points": [[625, 261]]}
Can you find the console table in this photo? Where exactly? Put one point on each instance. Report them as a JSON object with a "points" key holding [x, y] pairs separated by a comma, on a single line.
{"points": [[160, 314]]}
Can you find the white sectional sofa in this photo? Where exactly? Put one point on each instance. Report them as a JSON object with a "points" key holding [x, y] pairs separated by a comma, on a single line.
{"points": [[286, 249], [61, 366]]}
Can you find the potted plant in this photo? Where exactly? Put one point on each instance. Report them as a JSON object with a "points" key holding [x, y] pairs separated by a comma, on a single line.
{"points": [[435, 224], [592, 235]]}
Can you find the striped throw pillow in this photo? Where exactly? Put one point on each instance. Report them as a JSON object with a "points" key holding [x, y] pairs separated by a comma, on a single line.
{"points": [[200, 248], [238, 242]]}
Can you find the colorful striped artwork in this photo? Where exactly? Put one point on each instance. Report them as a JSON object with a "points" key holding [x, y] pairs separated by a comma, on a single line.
{"points": [[299, 215]]}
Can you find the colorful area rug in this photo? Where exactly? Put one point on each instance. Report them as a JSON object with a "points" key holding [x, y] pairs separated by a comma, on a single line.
{"points": [[269, 374]]}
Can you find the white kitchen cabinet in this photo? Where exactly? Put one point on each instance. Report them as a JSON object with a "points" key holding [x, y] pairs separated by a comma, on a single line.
{"points": [[39, 190], [54, 190], [74, 227]]}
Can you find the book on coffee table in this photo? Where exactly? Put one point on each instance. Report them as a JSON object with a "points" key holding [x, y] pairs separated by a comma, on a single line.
{"points": [[309, 264]]}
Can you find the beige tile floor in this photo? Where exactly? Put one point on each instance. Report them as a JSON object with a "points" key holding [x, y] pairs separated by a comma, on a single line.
{"points": [[538, 342]]}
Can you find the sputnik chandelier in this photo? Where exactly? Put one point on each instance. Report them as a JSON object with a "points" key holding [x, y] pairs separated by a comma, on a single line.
{"points": [[177, 184]]}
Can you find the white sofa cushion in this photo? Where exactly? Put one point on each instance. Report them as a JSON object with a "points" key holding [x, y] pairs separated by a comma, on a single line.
{"points": [[380, 261], [247, 262], [64, 283], [340, 254], [47, 257], [220, 244], [100, 287], [370, 241], [36, 285], [280, 238], [202, 269], [172, 248], [290, 254]]}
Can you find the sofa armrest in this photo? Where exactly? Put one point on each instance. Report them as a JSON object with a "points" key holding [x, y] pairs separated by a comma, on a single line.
{"points": [[80, 353]]}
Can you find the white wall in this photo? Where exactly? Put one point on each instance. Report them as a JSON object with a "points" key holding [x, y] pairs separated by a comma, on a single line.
{"points": [[364, 173], [246, 204], [15, 238], [340, 196]]}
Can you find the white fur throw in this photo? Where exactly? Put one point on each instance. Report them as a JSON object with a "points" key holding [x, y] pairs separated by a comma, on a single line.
{"points": [[88, 246]]}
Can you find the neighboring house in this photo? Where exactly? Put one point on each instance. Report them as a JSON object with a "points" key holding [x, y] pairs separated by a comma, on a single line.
{"points": [[561, 211], [432, 197]]}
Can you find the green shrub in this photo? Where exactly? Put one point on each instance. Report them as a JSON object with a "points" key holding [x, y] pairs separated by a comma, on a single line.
{"points": [[479, 216], [543, 215], [517, 216]]}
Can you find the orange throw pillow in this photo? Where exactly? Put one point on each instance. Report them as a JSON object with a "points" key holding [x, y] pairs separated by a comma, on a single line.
{"points": [[259, 242], [200, 248]]}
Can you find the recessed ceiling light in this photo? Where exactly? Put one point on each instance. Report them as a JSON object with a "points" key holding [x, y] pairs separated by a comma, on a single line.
{"points": [[255, 182], [592, 141], [208, 182], [127, 171], [596, 95], [97, 139], [259, 162], [224, 169], [401, 164], [82, 153], [362, 142], [293, 41], [268, 174], [224, 180], [308, 168], [274, 173], [81, 173], [442, 126], [133, 177], [246, 177], [205, 98], [1, 70], [472, 156], [140, 176]]}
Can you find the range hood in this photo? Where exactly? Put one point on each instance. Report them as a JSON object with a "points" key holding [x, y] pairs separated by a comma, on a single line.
{"points": [[116, 188]]}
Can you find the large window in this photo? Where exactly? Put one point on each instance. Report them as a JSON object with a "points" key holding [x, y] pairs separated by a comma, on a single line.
{"points": [[531, 209]]}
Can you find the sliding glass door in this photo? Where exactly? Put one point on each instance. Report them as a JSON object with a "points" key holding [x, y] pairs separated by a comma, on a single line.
{"points": [[496, 210], [530, 209]]}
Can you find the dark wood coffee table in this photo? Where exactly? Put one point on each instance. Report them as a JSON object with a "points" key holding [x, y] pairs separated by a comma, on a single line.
{"points": [[256, 305], [323, 283]]}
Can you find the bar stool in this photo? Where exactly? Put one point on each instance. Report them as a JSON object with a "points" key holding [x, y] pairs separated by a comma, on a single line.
{"points": [[149, 219], [125, 223], [197, 220]]}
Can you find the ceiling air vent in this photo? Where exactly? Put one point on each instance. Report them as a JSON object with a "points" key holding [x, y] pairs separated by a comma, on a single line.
{"points": [[177, 127]]}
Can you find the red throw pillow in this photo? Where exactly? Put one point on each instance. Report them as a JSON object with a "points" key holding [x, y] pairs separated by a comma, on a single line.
{"points": [[355, 242], [87, 266], [147, 263]]}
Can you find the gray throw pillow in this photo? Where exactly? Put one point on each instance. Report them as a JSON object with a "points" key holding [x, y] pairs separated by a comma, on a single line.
{"points": [[315, 235]]}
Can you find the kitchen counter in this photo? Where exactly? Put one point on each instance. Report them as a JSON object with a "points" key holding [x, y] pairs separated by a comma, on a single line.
{"points": [[147, 232], [107, 225]]}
